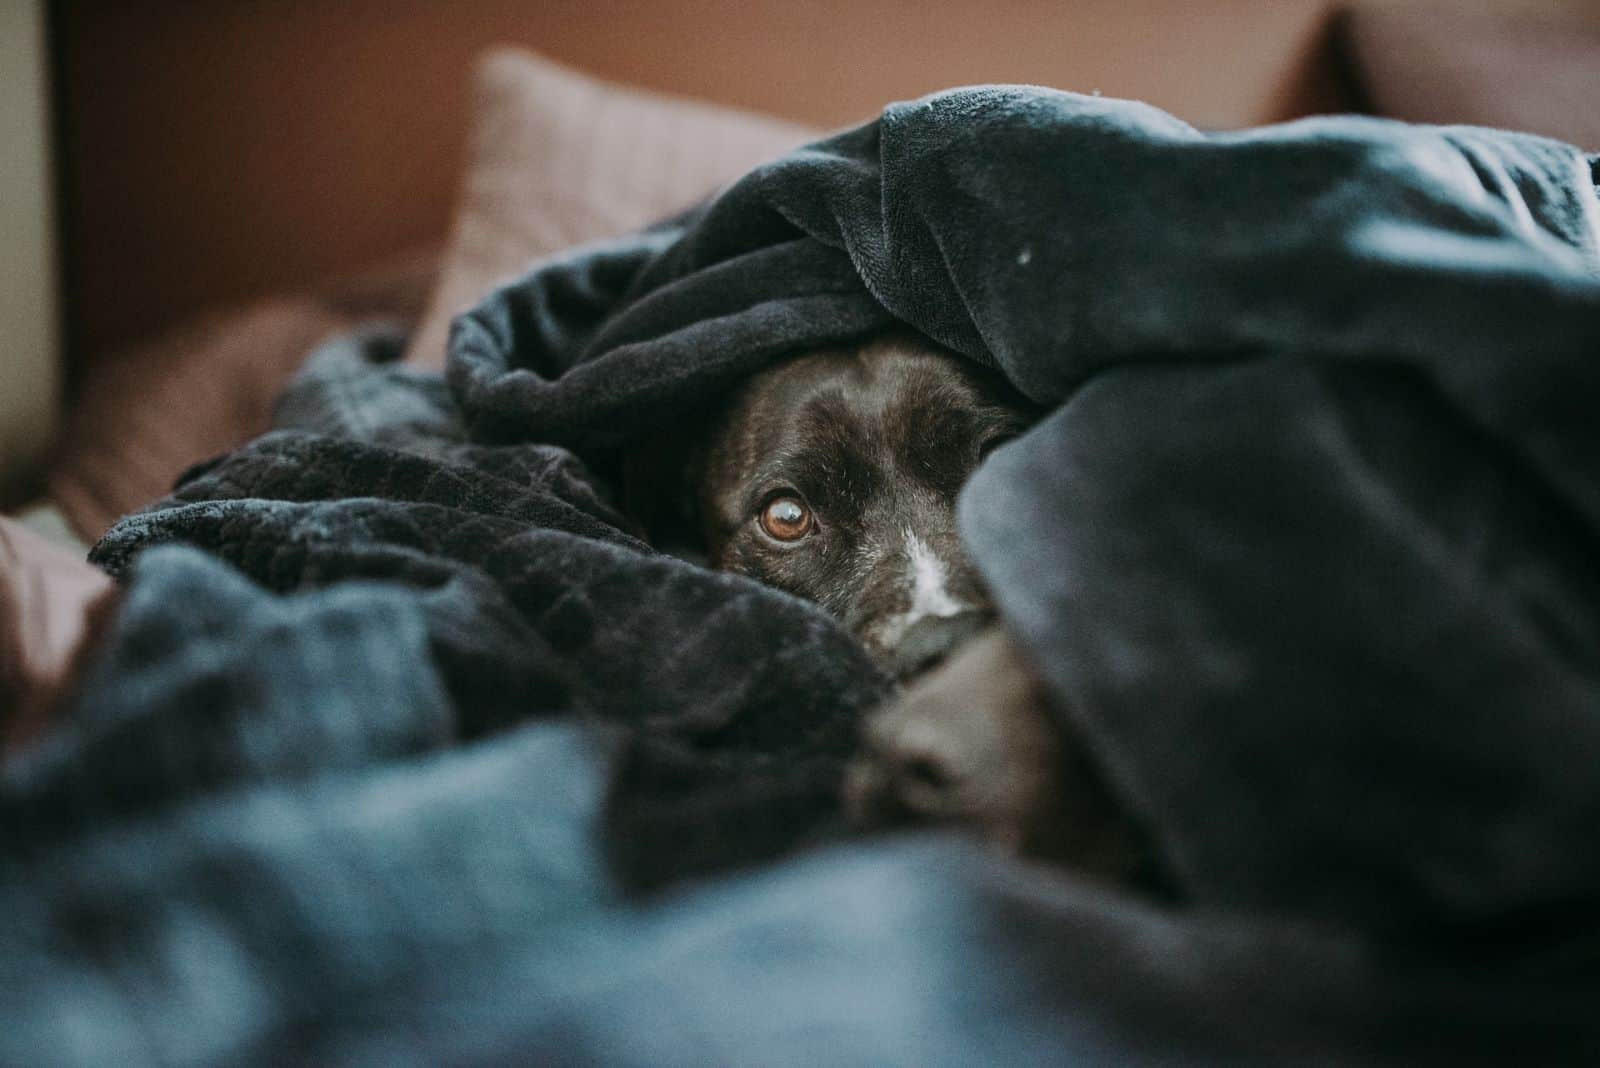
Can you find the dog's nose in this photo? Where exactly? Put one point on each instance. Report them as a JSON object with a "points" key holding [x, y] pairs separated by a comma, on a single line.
{"points": [[929, 641]]}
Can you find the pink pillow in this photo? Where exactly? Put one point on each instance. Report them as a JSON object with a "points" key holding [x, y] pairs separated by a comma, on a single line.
{"points": [[50, 601], [558, 158], [147, 412]]}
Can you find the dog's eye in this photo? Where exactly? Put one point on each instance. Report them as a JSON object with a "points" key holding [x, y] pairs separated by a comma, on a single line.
{"points": [[786, 518]]}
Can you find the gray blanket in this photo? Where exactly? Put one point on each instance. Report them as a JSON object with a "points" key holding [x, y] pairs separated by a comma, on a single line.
{"points": [[1307, 548]]}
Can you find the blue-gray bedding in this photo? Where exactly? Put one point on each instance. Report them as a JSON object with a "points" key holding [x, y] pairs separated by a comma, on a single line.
{"points": [[398, 714]]}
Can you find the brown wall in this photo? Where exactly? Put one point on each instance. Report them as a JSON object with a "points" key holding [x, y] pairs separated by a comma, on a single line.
{"points": [[217, 151]]}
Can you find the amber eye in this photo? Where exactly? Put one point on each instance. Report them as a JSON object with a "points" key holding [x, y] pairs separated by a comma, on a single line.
{"points": [[786, 518]]}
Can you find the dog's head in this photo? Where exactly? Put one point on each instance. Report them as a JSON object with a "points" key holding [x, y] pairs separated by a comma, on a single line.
{"points": [[834, 476]]}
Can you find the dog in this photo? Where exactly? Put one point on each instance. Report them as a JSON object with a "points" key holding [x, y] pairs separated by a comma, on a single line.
{"points": [[834, 476]]}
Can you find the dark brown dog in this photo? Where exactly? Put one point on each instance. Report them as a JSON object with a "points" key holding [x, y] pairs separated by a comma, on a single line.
{"points": [[834, 476]]}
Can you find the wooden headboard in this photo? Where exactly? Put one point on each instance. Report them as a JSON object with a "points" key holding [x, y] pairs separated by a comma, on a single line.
{"points": [[213, 152]]}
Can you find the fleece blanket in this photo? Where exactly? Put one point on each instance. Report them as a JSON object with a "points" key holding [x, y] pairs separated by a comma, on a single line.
{"points": [[399, 717]]}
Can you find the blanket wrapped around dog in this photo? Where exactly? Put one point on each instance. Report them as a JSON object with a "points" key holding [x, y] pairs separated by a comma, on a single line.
{"points": [[397, 707]]}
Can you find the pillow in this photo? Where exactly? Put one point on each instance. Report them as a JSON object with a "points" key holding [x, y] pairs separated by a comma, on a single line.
{"points": [[144, 414], [557, 158], [1513, 69], [49, 602]]}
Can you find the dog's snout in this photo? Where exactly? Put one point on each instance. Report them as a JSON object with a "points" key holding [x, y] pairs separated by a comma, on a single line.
{"points": [[928, 642]]}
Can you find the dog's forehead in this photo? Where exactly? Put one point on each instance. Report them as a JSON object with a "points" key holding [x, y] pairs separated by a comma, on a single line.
{"points": [[889, 380]]}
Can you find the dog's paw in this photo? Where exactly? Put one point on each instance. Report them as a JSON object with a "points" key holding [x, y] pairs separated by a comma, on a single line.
{"points": [[975, 744]]}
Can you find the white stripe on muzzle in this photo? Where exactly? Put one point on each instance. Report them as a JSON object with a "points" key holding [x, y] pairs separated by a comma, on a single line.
{"points": [[930, 595]]}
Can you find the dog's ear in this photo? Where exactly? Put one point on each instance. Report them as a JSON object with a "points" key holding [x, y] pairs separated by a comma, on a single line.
{"points": [[661, 475]]}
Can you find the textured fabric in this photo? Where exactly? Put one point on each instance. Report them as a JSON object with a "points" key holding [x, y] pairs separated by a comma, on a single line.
{"points": [[539, 603], [558, 159], [141, 416], [1522, 69], [1306, 547]]}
